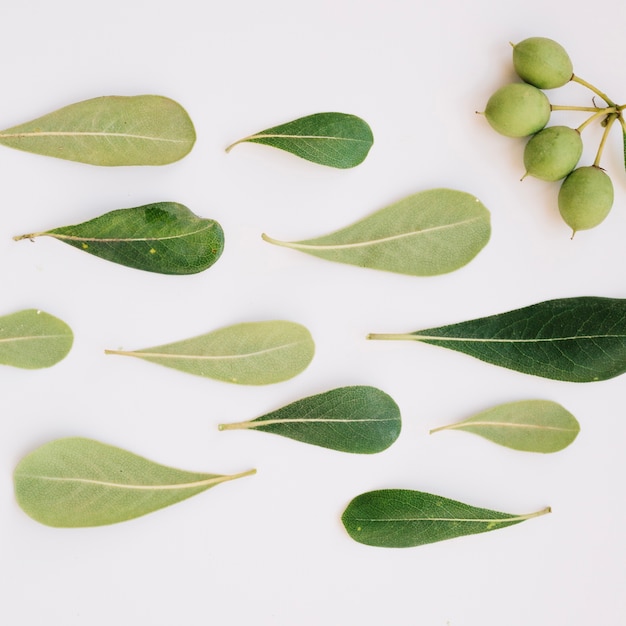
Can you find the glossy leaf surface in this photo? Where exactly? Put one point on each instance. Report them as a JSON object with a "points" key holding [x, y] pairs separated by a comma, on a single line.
{"points": [[32, 339], [78, 482], [572, 339], [163, 237], [356, 419], [252, 353], [528, 425], [431, 232], [110, 130], [401, 518], [334, 139]]}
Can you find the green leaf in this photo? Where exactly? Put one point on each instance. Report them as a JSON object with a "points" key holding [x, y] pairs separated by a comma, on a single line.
{"points": [[355, 419], [163, 237], [572, 339], [333, 139], [32, 339], [76, 482], [252, 353], [110, 130], [528, 425], [431, 232], [401, 518]]}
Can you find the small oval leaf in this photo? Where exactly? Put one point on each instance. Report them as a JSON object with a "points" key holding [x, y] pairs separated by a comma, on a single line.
{"points": [[109, 130], [401, 518], [572, 339], [163, 237], [528, 425], [356, 419], [429, 233], [334, 139], [252, 353], [32, 339], [76, 482]]}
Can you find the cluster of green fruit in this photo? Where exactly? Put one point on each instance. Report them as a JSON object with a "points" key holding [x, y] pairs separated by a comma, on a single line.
{"points": [[552, 153]]}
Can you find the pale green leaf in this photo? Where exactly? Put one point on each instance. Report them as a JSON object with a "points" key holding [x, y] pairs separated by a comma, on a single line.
{"points": [[164, 237], [356, 419], [252, 353], [400, 518], [109, 130], [32, 339], [334, 139], [78, 482], [528, 425], [431, 232]]}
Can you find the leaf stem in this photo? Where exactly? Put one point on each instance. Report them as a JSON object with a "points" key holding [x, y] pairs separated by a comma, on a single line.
{"points": [[30, 236], [234, 426], [595, 90], [610, 120], [394, 336]]}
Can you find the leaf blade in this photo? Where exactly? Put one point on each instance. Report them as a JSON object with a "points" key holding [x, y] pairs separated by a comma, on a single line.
{"points": [[251, 353], [77, 482], [401, 518], [528, 425], [426, 234], [337, 140], [356, 419], [109, 131], [162, 237]]}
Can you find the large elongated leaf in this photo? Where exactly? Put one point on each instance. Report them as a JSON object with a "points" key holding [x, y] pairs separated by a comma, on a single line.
{"points": [[81, 482], [252, 353], [431, 232], [355, 419], [529, 425], [163, 237], [401, 518], [110, 130], [335, 139], [573, 339], [32, 339]]}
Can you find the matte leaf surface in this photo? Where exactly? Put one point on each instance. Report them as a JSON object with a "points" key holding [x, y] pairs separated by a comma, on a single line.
{"points": [[163, 237], [32, 339], [334, 139], [355, 419], [252, 353], [528, 425], [77, 482], [401, 518], [572, 339], [110, 130], [431, 232]]}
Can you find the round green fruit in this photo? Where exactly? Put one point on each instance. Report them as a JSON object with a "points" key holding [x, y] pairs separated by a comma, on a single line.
{"points": [[542, 62], [585, 198], [518, 110], [553, 152]]}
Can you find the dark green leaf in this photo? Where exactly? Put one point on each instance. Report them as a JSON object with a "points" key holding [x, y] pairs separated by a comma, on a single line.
{"points": [[334, 139], [573, 339], [400, 518], [355, 419], [163, 237]]}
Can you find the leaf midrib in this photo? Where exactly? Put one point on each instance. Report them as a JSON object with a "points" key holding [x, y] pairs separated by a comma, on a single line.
{"points": [[497, 340], [122, 240], [513, 425], [304, 420], [31, 338], [325, 137], [58, 133]]}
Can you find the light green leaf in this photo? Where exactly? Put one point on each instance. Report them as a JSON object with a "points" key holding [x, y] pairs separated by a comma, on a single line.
{"points": [[334, 139], [528, 425], [163, 237], [431, 232], [252, 353], [356, 419], [400, 518], [110, 130], [574, 339], [75, 482], [32, 339]]}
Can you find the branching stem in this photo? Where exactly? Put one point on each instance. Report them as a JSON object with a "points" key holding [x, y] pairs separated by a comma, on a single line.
{"points": [[580, 81], [610, 120]]}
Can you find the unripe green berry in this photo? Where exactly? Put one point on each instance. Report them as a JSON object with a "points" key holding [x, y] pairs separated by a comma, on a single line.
{"points": [[585, 197], [518, 110], [542, 62], [553, 153]]}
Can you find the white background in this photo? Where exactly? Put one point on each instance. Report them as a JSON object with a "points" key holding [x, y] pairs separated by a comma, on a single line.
{"points": [[270, 549]]}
